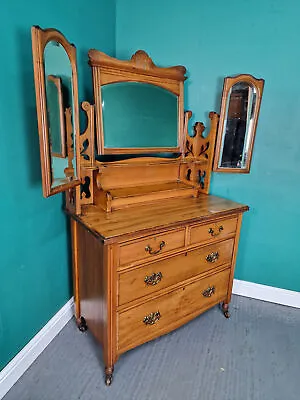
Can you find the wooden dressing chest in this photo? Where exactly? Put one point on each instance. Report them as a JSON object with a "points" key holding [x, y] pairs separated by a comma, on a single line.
{"points": [[151, 248], [142, 273]]}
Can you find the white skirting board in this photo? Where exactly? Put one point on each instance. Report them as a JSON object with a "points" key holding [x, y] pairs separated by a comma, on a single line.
{"points": [[266, 293], [22, 361]]}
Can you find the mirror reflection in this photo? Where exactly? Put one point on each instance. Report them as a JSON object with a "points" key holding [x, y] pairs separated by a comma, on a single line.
{"points": [[59, 97], [238, 127], [139, 115]]}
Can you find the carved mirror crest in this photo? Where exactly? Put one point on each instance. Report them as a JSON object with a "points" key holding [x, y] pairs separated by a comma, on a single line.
{"points": [[240, 107], [55, 75]]}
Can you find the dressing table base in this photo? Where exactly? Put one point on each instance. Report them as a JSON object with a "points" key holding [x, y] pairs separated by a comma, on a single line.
{"points": [[143, 272]]}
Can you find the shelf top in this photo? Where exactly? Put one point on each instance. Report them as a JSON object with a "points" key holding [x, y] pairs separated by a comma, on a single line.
{"points": [[157, 216]]}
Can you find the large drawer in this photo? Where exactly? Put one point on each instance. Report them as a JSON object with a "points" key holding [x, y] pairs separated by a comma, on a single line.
{"points": [[152, 277], [151, 246], [213, 231], [163, 314]]}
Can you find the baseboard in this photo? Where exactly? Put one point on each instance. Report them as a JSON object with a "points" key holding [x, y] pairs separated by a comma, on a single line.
{"points": [[22, 361], [266, 293]]}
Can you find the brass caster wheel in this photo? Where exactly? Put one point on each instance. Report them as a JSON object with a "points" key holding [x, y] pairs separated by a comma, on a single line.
{"points": [[81, 323], [108, 379], [225, 309]]}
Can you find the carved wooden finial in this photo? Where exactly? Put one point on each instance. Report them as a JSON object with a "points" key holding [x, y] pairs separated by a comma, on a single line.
{"points": [[142, 60]]}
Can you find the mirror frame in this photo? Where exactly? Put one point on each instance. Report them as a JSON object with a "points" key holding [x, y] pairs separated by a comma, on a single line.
{"points": [[229, 82], [140, 68], [40, 38]]}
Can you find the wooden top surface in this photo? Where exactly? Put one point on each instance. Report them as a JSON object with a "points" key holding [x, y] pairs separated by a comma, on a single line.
{"points": [[160, 215], [147, 189]]}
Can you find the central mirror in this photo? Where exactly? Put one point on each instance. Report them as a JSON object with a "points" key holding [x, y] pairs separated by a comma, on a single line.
{"points": [[139, 115], [139, 106]]}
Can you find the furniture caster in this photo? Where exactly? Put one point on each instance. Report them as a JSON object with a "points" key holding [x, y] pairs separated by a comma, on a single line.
{"points": [[108, 379], [81, 323], [225, 309], [108, 375]]}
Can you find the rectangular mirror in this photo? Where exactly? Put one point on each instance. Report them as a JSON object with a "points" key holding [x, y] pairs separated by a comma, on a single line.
{"points": [[238, 120], [139, 115], [55, 74], [139, 106]]}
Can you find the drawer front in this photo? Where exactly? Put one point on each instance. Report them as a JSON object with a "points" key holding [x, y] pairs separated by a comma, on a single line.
{"points": [[213, 231], [156, 317], [151, 246], [161, 274]]}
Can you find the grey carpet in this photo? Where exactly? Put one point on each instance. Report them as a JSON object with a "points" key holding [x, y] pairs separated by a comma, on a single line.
{"points": [[255, 355]]}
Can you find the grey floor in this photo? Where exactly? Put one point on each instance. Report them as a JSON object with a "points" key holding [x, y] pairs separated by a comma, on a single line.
{"points": [[253, 355]]}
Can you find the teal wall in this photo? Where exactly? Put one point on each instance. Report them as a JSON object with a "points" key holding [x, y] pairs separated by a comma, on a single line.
{"points": [[35, 262], [220, 38]]}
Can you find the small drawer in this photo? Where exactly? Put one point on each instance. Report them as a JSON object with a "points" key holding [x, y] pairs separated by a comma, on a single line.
{"points": [[156, 317], [151, 246], [213, 231], [158, 275]]}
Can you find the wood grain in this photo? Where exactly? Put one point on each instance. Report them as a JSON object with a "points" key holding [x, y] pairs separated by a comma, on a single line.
{"points": [[216, 230], [136, 222], [173, 270], [182, 304], [136, 250], [97, 288]]}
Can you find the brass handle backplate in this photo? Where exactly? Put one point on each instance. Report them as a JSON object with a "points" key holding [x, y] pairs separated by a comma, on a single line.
{"points": [[151, 251], [209, 291], [153, 279], [212, 232], [152, 318], [212, 257]]}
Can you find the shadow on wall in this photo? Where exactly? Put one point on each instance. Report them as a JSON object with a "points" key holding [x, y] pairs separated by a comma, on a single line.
{"points": [[27, 93], [218, 91]]}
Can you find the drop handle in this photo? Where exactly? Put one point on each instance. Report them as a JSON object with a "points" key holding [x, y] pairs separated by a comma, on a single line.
{"points": [[212, 257], [149, 249], [153, 279], [214, 233], [152, 318], [209, 291]]}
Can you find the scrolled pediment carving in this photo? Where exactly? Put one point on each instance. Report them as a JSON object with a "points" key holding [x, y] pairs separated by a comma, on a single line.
{"points": [[140, 62]]}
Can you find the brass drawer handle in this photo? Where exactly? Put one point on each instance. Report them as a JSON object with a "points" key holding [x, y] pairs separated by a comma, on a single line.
{"points": [[151, 251], [209, 291], [153, 279], [213, 233], [152, 318], [212, 257]]}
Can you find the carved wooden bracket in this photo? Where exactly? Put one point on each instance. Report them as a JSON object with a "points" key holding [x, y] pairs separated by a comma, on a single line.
{"points": [[87, 138], [199, 152]]}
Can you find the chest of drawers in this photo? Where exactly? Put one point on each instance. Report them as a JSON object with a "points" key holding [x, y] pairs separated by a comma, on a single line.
{"points": [[141, 273]]}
